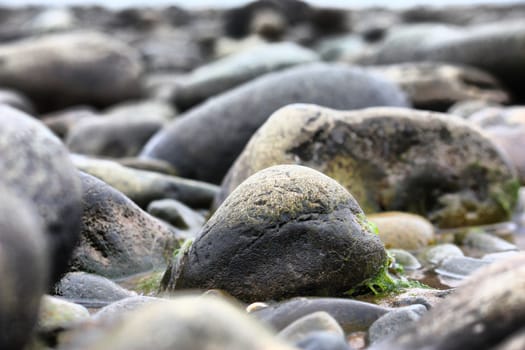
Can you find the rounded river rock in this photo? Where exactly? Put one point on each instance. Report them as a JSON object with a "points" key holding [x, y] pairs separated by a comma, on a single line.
{"points": [[286, 231]]}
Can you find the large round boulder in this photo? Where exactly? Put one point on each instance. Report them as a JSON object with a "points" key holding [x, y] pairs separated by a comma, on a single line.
{"points": [[23, 267], [204, 142], [286, 231], [36, 165], [58, 70], [392, 159]]}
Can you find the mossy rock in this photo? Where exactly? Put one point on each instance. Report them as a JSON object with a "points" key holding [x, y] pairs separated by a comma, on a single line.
{"points": [[390, 159], [286, 231]]}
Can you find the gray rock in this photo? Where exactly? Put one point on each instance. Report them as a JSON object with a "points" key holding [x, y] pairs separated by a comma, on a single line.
{"points": [[487, 243], [143, 186], [394, 322], [286, 231], [390, 159], [178, 215], [319, 321], [184, 323], [23, 267], [52, 20], [196, 143], [90, 290], [483, 313], [111, 137], [117, 237], [427, 297], [343, 48], [36, 165], [405, 259], [62, 121], [460, 267], [59, 70], [474, 46], [466, 108], [121, 309], [16, 100], [436, 86], [351, 315], [436, 254], [233, 70], [322, 341]]}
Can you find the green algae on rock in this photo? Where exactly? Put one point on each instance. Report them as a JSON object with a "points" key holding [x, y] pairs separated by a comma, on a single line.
{"points": [[431, 164], [286, 231]]}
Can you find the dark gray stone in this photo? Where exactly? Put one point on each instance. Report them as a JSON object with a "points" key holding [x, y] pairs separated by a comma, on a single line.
{"points": [[460, 267], [394, 322], [36, 165], [178, 215], [16, 100], [286, 231], [23, 269], [117, 237], [205, 141], [323, 341]]}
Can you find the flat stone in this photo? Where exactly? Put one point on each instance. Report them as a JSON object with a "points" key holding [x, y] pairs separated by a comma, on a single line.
{"points": [[394, 322], [487, 243], [319, 321], [436, 254]]}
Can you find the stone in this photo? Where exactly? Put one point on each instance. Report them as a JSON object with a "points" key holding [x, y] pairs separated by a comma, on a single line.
{"points": [[53, 20], [390, 159], [403, 230], [405, 259], [487, 243], [60, 70], [466, 108], [154, 165], [319, 321], [437, 86], [121, 309], [117, 238], [351, 315], [343, 48], [143, 186], [322, 341], [90, 290], [62, 121], [428, 297], [436, 254], [228, 72], [178, 215], [506, 127], [394, 322], [204, 142], [35, 165], [183, 323], [474, 46], [24, 268], [16, 100], [459, 267], [483, 313], [286, 231], [58, 314]]}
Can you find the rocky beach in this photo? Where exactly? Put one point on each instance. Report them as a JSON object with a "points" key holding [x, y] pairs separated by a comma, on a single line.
{"points": [[276, 175]]}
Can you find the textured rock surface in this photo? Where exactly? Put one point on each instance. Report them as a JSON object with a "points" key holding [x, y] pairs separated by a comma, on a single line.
{"points": [[390, 159], [117, 237], [23, 267], [36, 165], [286, 231], [184, 323], [205, 141], [59, 70]]}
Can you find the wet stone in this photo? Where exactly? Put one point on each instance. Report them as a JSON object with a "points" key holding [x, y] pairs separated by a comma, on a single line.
{"points": [[178, 215], [319, 321], [394, 322], [487, 243], [436, 254], [460, 267], [405, 259]]}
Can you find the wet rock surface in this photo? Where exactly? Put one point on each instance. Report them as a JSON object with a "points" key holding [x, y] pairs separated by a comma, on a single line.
{"points": [[386, 157], [195, 144], [286, 231]]}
